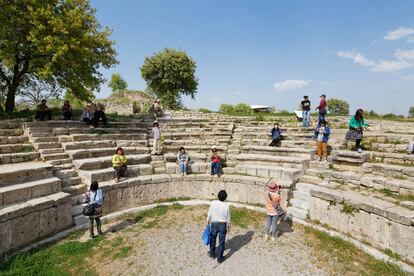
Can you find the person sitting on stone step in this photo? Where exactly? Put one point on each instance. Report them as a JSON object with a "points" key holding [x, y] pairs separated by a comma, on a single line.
{"points": [[99, 116], [182, 161], [86, 116], [119, 162], [95, 196], [276, 133], [43, 111], [67, 111], [215, 162]]}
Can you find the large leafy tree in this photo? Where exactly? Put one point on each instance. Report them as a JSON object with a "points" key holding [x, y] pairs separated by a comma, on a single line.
{"points": [[337, 106], [59, 42], [117, 83], [411, 111], [170, 74]]}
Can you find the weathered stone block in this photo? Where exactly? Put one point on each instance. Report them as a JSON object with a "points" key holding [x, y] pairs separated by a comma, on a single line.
{"points": [[402, 240]]}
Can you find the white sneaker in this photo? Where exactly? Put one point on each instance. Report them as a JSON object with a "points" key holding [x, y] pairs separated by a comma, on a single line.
{"points": [[273, 238], [266, 237], [359, 150]]}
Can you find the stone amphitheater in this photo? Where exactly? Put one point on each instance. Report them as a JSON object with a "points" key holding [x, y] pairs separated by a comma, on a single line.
{"points": [[46, 167]]}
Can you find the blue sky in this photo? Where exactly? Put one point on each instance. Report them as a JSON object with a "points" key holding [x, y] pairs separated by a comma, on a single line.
{"points": [[274, 52]]}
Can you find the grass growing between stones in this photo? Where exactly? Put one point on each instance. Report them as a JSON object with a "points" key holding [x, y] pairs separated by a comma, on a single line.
{"points": [[328, 250], [243, 217]]}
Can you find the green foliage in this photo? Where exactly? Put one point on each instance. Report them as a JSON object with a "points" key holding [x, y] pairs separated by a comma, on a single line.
{"points": [[78, 102], [226, 109], [59, 42], [240, 109], [243, 217], [204, 110], [411, 111], [337, 106], [170, 74], [348, 209], [117, 83]]}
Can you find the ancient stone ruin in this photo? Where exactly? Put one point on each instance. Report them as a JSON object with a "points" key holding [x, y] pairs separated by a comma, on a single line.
{"points": [[46, 168]]}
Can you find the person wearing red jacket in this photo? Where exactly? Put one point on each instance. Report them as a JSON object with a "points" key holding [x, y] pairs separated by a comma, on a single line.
{"points": [[322, 109], [215, 161]]}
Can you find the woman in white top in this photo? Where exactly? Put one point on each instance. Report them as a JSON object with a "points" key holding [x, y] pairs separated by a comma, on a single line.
{"points": [[95, 196]]}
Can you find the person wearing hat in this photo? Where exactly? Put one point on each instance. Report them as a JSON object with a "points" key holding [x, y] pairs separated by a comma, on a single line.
{"points": [[322, 109], [182, 161], [306, 107], [215, 161], [156, 134], [86, 116], [272, 204]]}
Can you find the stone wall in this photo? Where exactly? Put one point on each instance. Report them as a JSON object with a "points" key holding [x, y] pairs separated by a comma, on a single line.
{"points": [[121, 109]]}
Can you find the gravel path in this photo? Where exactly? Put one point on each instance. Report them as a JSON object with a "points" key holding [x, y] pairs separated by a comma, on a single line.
{"points": [[174, 247]]}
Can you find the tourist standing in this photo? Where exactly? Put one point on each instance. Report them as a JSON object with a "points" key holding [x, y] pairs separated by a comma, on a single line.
{"points": [[215, 161], [276, 133], [219, 217], [272, 204], [67, 111], [322, 109], [306, 107], [95, 196], [156, 134], [322, 136], [43, 111], [356, 129], [182, 161], [119, 162], [86, 116]]}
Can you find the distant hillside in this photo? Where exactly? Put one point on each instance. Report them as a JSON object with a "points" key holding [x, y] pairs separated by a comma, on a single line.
{"points": [[128, 96]]}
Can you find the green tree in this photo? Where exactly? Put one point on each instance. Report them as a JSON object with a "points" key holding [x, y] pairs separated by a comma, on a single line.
{"points": [[242, 109], [411, 111], [117, 83], [78, 102], [226, 109], [59, 42], [337, 106], [170, 74]]}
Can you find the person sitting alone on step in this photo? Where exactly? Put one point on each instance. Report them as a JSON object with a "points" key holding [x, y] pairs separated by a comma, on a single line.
{"points": [[322, 136], [276, 133], [43, 111], [182, 161], [67, 111], [86, 116], [99, 116], [119, 162], [95, 196], [215, 162]]}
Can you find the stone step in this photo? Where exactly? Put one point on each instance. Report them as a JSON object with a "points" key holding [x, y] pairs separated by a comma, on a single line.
{"points": [[63, 167], [194, 156], [68, 173], [279, 151], [319, 165], [158, 164], [89, 145], [72, 181], [301, 195], [304, 187], [47, 145], [107, 174], [102, 152], [352, 157], [300, 204], [10, 158], [297, 213], [11, 132], [51, 151], [13, 140], [78, 199], [16, 148], [311, 179], [75, 190], [77, 209], [193, 167], [285, 161], [229, 170], [29, 190], [194, 148], [46, 139], [160, 170], [105, 162], [80, 220], [23, 172], [278, 172], [60, 162], [100, 137], [55, 156]]}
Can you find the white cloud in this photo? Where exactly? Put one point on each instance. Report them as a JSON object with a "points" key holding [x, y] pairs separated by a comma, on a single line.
{"points": [[290, 85], [391, 66], [404, 54], [358, 58], [399, 33]]}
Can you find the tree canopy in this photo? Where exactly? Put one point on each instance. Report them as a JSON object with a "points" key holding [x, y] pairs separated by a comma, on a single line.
{"points": [[411, 111], [58, 42], [117, 83], [337, 106], [170, 74]]}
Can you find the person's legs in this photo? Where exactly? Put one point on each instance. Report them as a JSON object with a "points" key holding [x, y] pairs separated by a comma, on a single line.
{"points": [[358, 144], [122, 171], [307, 118], [49, 115], [95, 121], [158, 145], [117, 172], [98, 226], [274, 225], [91, 235], [211, 168], [154, 146], [324, 150], [267, 226], [272, 144], [104, 120], [214, 232], [222, 240], [319, 149]]}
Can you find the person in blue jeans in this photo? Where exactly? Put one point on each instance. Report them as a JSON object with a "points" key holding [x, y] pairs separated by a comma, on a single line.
{"points": [[276, 133], [306, 107], [322, 109], [219, 217], [215, 162], [182, 161]]}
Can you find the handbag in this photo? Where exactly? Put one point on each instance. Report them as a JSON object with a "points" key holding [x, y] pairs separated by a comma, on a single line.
{"points": [[89, 210], [206, 235], [279, 210]]}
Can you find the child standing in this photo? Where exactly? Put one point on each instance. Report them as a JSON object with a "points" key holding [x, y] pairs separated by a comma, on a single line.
{"points": [[322, 136], [215, 161], [156, 134]]}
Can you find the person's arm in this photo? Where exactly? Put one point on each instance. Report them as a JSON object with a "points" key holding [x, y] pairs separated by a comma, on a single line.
{"points": [[353, 123], [364, 123], [99, 197], [228, 219], [327, 131], [125, 159], [209, 215]]}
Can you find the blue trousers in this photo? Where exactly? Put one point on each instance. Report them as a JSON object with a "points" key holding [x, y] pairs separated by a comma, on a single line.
{"points": [[183, 167], [220, 229], [306, 116], [215, 168], [321, 117]]}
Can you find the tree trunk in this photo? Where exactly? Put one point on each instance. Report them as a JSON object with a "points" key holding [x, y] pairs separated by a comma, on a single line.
{"points": [[11, 97]]}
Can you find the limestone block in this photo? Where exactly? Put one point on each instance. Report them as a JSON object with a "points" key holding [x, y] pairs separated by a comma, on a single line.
{"points": [[116, 197], [25, 229], [378, 231], [64, 215], [318, 210], [357, 224], [402, 240], [338, 220], [6, 239], [48, 221], [16, 195], [400, 215]]}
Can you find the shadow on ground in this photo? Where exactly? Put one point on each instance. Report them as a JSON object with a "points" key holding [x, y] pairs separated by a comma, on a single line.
{"points": [[237, 242]]}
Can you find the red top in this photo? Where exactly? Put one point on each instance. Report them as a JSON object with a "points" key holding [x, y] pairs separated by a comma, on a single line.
{"points": [[322, 105]]}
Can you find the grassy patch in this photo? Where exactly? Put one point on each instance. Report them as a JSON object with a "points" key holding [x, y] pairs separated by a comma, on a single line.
{"points": [[353, 260], [172, 199], [244, 218], [348, 209], [27, 149], [123, 252]]}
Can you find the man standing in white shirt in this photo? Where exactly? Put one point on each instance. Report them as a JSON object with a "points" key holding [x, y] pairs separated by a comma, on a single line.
{"points": [[219, 216]]}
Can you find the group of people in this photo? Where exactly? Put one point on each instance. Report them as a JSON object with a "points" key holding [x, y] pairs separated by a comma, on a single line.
{"points": [[93, 120], [43, 111], [305, 106]]}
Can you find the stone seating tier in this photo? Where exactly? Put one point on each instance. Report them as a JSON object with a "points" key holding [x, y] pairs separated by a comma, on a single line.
{"points": [[23, 172], [259, 159], [12, 158], [105, 162], [394, 158], [98, 137], [108, 173], [278, 151], [403, 172], [77, 124], [102, 152]]}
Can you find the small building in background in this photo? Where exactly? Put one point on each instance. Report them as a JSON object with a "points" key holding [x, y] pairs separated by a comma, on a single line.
{"points": [[261, 108]]}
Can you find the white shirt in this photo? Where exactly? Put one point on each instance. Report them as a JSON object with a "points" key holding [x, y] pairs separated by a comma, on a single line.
{"points": [[219, 212], [98, 198]]}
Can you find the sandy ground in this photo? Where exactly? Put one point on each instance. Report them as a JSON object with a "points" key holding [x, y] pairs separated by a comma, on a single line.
{"points": [[172, 245]]}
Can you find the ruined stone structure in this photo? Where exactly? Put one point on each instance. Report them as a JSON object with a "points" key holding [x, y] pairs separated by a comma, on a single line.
{"points": [[46, 168]]}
